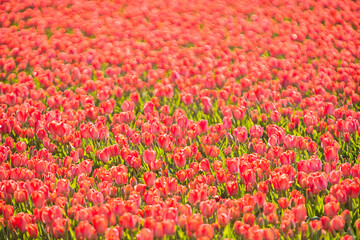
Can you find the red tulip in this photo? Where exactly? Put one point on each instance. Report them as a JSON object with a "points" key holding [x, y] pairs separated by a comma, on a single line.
{"points": [[121, 178], [314, 164], [149, 156], [187, 99], [325, 222], [149, 178], [205, 165], [317, 182], [205, 230], [8, 211], [249, 218], [269, 208], [59, 227], [281, 182], [331, 209], [334, 177], [180, 160], [21, 115], [32, 229], [232, 166], [259, 199], [207, 104], [299, 213], [63, 187], [241, 134], [194, 222], [193, 197], [169, 227], [20, 147], [232, 188], [227, 123], [354, 190], [203, 125], [145, 234], [346, 215], [100, 223], [239, 113], [21, 196], [38, 198], [112, 234], [263, 187], [207, 209], [129, 221], [85, 230], [337, 223], [283, 202], [331, 154], [158, 230], [256, 131], [104, 155]]}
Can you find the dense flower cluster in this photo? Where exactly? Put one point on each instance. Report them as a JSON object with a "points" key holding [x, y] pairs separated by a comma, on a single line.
{"points": [[154, 119]]}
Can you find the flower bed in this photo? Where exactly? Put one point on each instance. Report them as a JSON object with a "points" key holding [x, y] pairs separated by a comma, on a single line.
{"points": [[179, 119]]}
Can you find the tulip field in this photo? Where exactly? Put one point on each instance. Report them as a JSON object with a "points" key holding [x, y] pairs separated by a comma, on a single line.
{"points": [[179, 119]]}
